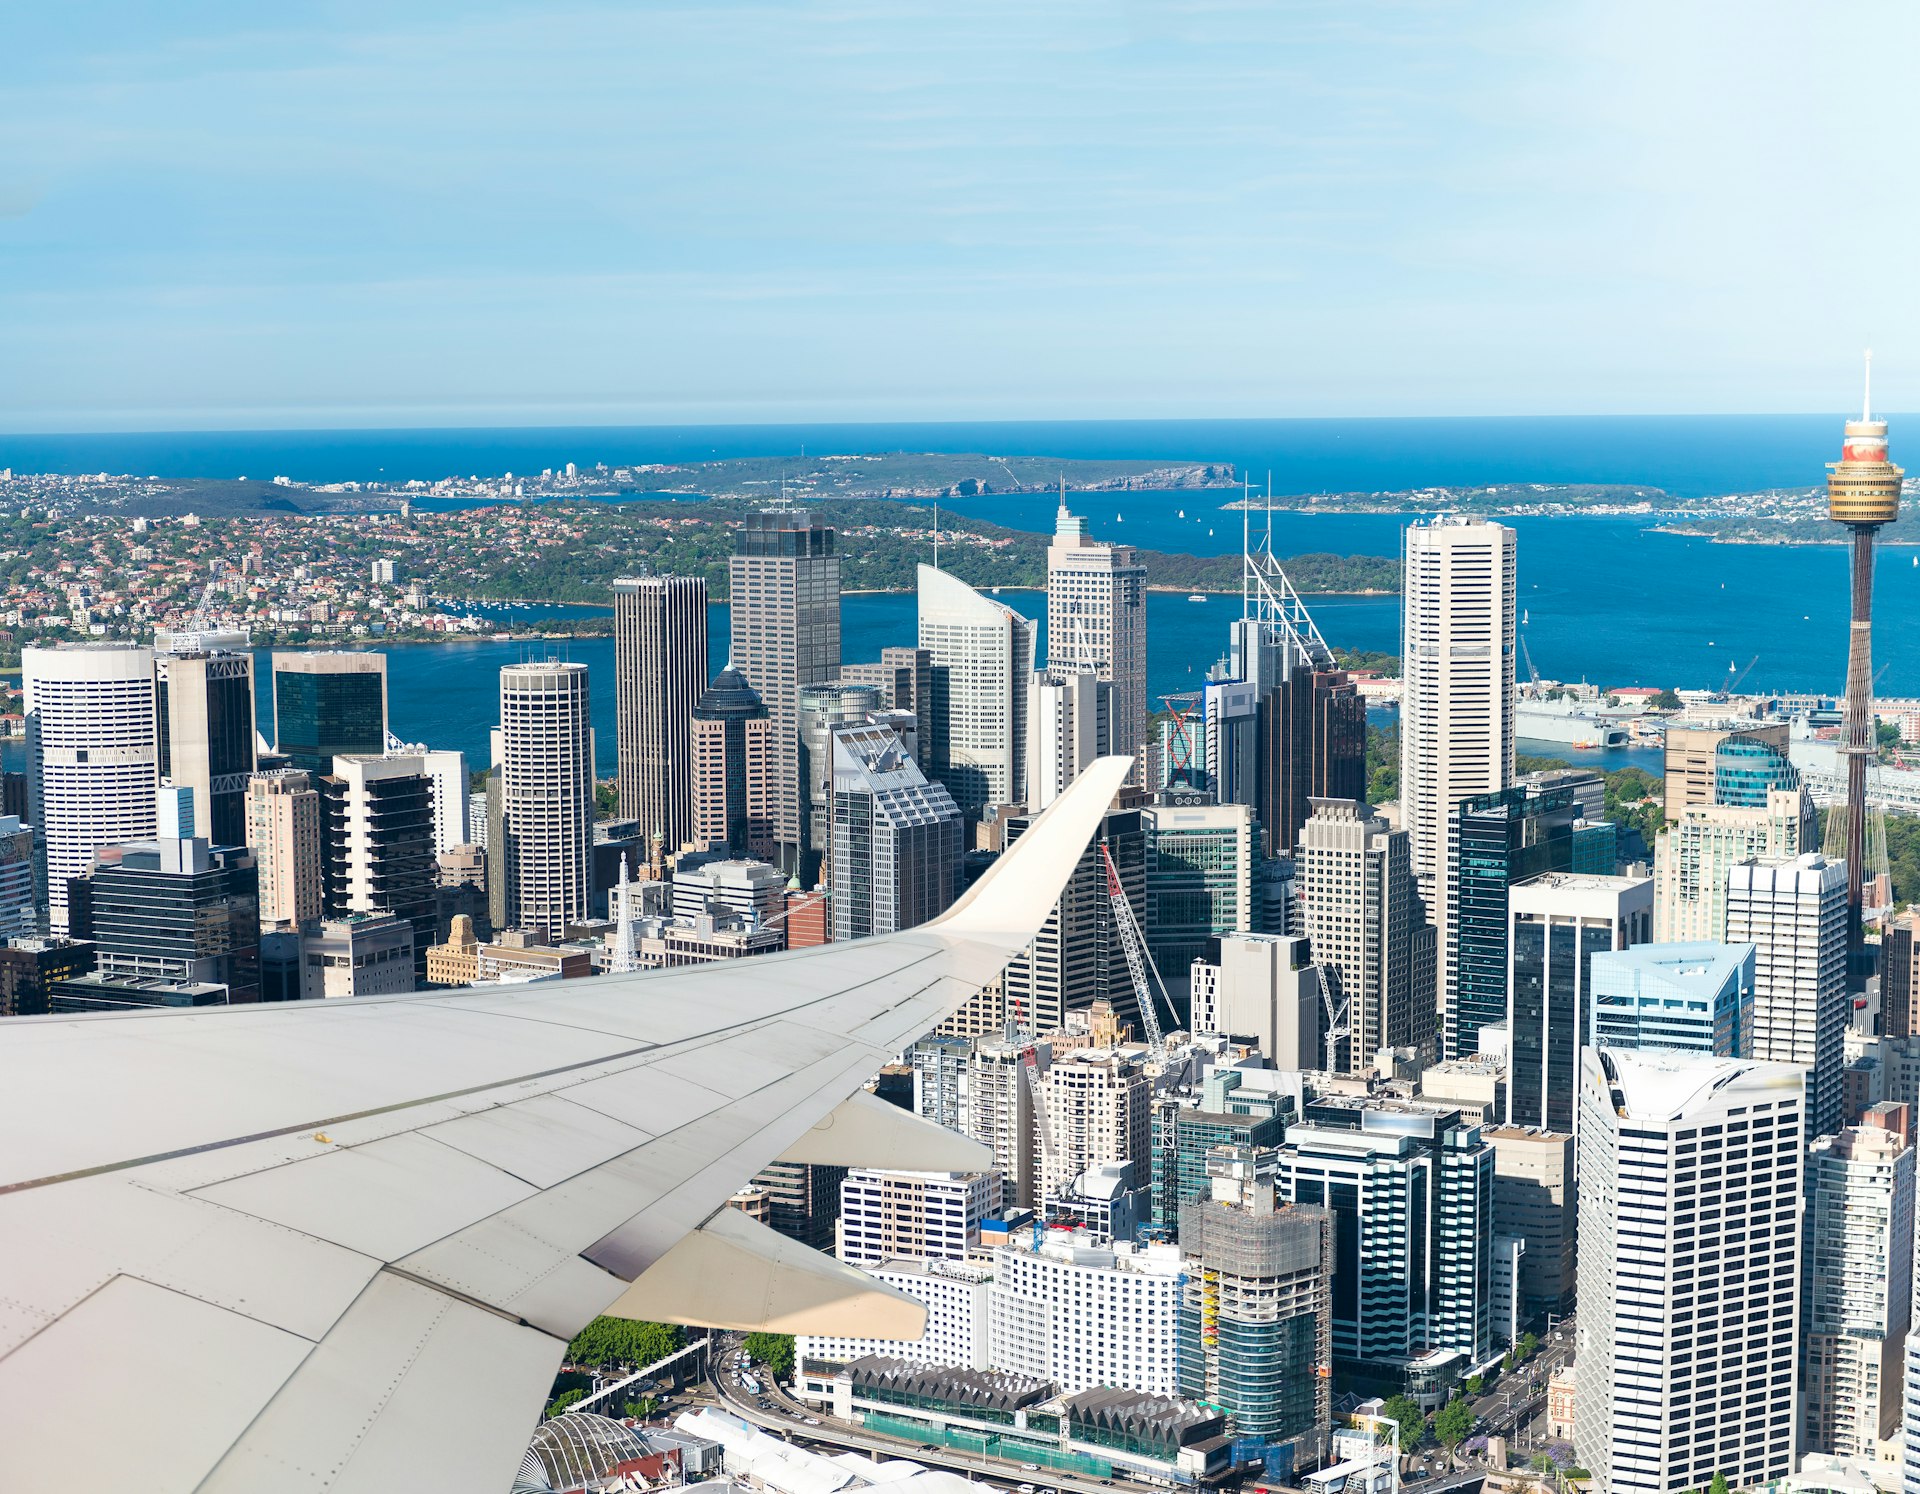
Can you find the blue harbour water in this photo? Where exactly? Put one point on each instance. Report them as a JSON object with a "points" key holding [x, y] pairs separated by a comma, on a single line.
{"points": [[1606, 599]]}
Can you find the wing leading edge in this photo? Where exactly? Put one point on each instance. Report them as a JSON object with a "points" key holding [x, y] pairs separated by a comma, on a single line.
{"points": [[342, 1245]]}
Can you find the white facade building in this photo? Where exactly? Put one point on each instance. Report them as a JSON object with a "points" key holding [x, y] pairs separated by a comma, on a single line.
{"points": [[546, 768], [748, 890], [1794, 913], [1085, 1316], [446, 770], [1267, 988], [1097, 622], [982, 654], [1692, 857], [1000, 1114], [1689, 1272], [1099, 1109], [1859, 1285], [956, 1294], [1068, 726], [365, 954], [93, 756], [932, 1216], [1457, 707]]}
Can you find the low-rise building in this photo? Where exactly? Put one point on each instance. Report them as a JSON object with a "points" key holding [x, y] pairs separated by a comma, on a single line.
{"points": [[362, 954], [1087, 1316], [955, 1296]]}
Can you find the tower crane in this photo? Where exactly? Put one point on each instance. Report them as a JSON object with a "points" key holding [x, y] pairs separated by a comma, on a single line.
{"points": [[1139, 962]]}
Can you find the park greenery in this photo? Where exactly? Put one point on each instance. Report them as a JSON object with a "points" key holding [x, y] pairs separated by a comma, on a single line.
{"points": [[1405, 1413], [880, 544], [1453, 1423], [773, 1351], [608, 1343]]}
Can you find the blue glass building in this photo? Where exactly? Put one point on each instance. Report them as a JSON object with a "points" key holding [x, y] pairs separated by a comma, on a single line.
{"points": [[1692, 998], [1745, 768]]}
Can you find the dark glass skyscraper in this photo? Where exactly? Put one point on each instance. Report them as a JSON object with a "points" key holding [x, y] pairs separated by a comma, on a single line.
{"points": [[176, 911], [1312, 744], [206, 736], [730, 770], [1496, 840], [660, 668], [326, 705]]}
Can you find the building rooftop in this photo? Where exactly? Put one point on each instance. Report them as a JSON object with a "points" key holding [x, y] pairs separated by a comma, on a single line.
{"points": [[1659, 1086], [1700, 966], [988, 1388]]}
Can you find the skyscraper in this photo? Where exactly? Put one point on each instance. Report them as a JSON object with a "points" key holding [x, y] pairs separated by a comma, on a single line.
{"points": [[93, 757], [896, 837], [1559, 924], [1457, 706], [732, 770], [1361, 912], [783, 588], [1069, 724], [1256, 1315], [1494, 841], [17, 917], [172, 909], [1693, 856], [1691, 998], [207, 733], [1794, 913], [1859, 1283], [546, 785], [660, 673], [285, 830], [982, 658], [1311, 743], [822, 707], [1689, 1273], [325, 704], [1097, 621], [1411, 1192], [378, 855], [1692, 758], [1863, 492], [1201, 863]]}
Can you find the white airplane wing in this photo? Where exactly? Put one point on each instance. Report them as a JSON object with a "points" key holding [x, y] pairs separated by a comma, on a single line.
{"points": [[341, 1246]]}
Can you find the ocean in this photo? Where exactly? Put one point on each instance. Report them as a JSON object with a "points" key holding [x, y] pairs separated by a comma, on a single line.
{"points": [[1604, 599]]}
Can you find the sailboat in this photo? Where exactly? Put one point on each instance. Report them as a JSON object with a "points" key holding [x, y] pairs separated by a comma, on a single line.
{"points": [[1183, 513], [1523, 617]]}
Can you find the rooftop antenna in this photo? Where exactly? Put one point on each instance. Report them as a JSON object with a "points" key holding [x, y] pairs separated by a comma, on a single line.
{"points": [[936, 534], [1866, 393], [1246, 544], [1269, 511]]}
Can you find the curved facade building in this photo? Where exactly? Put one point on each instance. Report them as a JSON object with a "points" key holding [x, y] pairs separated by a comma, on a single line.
{"points": [[1746, 768], [93, 757], [546, 772]]}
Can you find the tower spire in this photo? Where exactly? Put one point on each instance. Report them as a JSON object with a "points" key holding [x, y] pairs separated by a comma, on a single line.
{"points": [[1866, 392]]}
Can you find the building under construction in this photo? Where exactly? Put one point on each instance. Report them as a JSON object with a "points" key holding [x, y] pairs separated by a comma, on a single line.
{"points": [[1256, 1314]]}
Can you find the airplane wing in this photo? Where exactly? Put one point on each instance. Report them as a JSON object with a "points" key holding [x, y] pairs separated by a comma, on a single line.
{"points": [[342, 1245]]}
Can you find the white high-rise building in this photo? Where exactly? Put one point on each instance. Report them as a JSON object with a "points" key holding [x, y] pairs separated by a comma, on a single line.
{"points": [[447, 772], [1694, 854], [1457, 709], [956, 1295], [1000, 1113], [982, 655], [1097, 621], [929, 1216], [1859, 1283], [1085, 1316], [93, 757], [1099, 1108], [1794, 913], [1068, 726], [1689, 1273], [546, 770]]}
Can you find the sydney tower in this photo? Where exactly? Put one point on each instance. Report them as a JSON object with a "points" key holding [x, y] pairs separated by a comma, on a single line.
{"points": [[1863, 492]]}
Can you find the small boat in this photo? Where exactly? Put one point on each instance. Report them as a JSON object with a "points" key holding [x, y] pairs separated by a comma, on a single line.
{"points": [[1183, 513], [1916, 560], [1209, 534], [1523, 617], [1196, 597]]}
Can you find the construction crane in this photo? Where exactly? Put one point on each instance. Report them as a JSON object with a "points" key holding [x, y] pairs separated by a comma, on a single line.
{"points": [[1335, 1016], [1533, 675], [1139, 962], [1030, 1072]]}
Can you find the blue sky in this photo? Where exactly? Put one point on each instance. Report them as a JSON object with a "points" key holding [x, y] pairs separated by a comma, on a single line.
{"points": [[235, 214]]}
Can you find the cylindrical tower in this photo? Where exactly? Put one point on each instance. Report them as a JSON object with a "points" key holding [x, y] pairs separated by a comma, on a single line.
{"points": [[1863, 492], [546, 765]]}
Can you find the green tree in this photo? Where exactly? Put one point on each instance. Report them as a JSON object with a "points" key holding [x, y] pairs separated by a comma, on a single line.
{"points": [[1383, 764], [1453, 1423], [1718, 1484], [1666, 700], [1529, 1344], [1475, 1385], [1412, 1421], [774, 1350], [616, 1341], [639, 1409], [565, 1399]]}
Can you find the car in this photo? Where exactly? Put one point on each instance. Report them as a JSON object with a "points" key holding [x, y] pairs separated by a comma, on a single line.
{"points": [[813, 1421]]}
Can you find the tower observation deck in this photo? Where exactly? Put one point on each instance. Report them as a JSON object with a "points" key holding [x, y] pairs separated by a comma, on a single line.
{"points": [[1863, 492]]}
